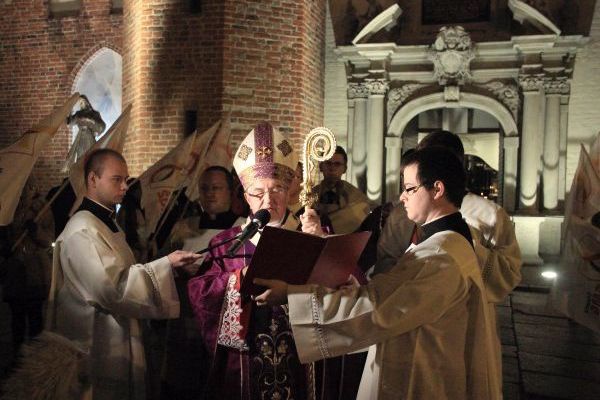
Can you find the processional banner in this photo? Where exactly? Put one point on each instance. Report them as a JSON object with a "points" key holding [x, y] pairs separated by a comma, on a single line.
{"points": [[576, 290], [17, 160], [176, 170]]}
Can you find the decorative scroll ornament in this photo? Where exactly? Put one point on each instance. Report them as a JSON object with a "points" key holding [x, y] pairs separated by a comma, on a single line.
{"points": [[319, 146], [397, 96], [506, 93], [357, 90], [531, 82], [451, 54], [557, 85], [376, 86]]}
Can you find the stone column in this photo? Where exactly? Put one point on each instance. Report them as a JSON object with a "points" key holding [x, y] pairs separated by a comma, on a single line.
{"points": [[359, 134], [393, 155], [551, 149], [350, 139], [532, 130], [562, 155], [396, 97], [511, 160], [375, 115], [554, 88]]}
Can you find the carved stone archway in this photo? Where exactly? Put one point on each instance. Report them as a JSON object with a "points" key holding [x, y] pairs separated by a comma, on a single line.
{"points": [[405, 113], [523, 82]]}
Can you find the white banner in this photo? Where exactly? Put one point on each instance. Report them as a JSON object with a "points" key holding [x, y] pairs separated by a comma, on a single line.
{"points": [[576, 290], [17, 160]]}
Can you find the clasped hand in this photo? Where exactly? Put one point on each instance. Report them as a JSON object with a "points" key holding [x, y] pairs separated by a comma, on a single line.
{"points": [[311, 223], [181, 258], [276, 293]]}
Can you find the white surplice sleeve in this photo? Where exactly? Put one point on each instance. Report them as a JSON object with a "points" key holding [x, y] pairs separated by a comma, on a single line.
{"points": [[96, 271], [329, 323], [499, 255]]}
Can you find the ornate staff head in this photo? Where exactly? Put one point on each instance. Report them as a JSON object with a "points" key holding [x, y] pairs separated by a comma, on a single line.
{"points": [[319, 146]]}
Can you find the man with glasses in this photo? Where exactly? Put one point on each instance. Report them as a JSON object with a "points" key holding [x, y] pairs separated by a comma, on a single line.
{"points": [[184, 354], [252, 349], [494, 238], [342, 203], [494, 235], [427, 314]]}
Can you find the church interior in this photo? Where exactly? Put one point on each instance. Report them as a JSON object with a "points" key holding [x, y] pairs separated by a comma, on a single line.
{"points": [[516, 80]]}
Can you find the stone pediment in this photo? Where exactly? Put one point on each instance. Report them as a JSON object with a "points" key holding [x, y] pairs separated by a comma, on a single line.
{"points": [[451, 54]]}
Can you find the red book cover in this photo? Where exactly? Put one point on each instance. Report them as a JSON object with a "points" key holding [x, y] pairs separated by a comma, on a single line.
{"points": [[299, 258]]}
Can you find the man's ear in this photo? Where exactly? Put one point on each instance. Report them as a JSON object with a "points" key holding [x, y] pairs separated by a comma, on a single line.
{"points": [[91, 179], [439, 190]]}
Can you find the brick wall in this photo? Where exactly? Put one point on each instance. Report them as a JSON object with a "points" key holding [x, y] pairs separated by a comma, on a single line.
{"points": [[39, 60], [584, 115], [172, 64], [273, 65], [336, 100], [260, 60]]}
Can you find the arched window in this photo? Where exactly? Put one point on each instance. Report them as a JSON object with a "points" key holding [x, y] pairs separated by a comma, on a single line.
{"points": [[100, 80]]}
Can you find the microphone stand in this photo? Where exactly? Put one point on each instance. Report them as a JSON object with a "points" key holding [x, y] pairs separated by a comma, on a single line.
{"points": [[214, 246]]}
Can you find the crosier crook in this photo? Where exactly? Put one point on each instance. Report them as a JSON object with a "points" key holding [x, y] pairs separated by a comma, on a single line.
{"points": [[319, 146]]}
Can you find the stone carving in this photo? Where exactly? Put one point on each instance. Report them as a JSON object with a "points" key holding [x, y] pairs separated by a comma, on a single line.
{"points": [[376, 86], [451, 54], [357, 90], [89, 123], [397, 96], [531, 82], [506, 93], [557, 85], [452, 93]]}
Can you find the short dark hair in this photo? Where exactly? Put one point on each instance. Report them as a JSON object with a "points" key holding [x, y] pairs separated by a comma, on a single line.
{"points": [[439, 164], [228, 175], [444, 139], [340, 150], [95, 161]]}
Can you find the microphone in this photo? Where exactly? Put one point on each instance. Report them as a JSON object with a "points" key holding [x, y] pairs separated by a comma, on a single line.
{"points": [[260, 219]]}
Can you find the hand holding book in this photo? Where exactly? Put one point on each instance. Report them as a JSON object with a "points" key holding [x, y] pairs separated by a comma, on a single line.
{"points": [[299, 258]]}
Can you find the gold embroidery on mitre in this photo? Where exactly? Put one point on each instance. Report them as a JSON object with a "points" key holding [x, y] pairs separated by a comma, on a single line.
{"points": [[263, 152], [244, 152], [285, 148]]}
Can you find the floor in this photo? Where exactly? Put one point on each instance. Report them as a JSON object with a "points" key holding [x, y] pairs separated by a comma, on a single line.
{"points": [[545, 355]]}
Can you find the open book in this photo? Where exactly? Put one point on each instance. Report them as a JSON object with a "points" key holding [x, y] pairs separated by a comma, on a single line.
{"points": [[299, 258]]}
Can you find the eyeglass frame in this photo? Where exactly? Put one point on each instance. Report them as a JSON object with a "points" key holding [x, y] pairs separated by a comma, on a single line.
{"points": [[413, 189], [277, 190]]}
